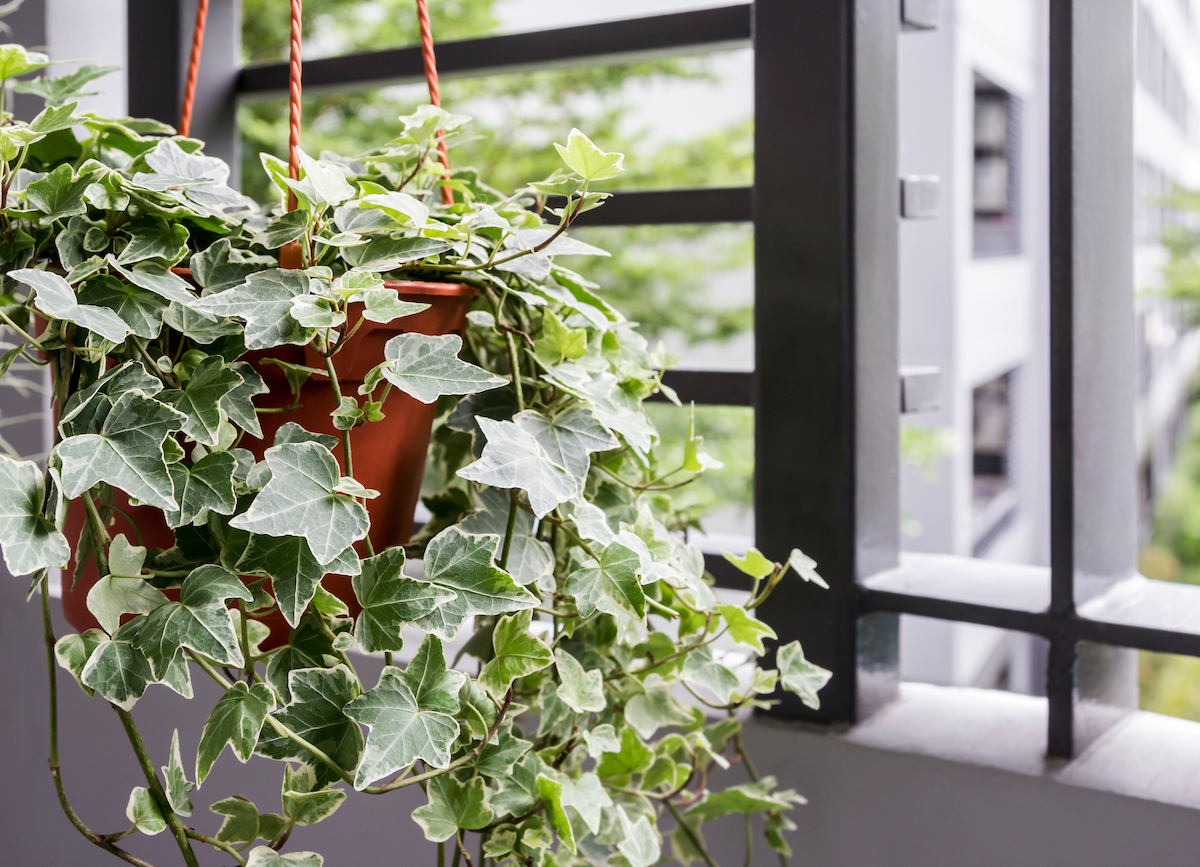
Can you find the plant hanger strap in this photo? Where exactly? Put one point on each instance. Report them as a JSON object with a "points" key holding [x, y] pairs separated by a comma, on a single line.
{"points": [[435, 96], [189, 87]]}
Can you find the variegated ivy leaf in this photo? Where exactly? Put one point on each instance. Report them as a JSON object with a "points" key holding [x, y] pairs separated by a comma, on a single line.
{"points": [[240, 823], [238, 404], [616, 409], [264, 303], [202, 487], [518, 653], [54, 296], [300, 500], [116, 595], [197, 328], [529, 558], [202, 398], [388, 254], [127, 452], [283, 229], [221, 267], [640, 846], [168, 158], [453, 804], [806, 568], [236, 720], [585, 795], [323, 183], [157, 278], [385, 305], [427, 367], [265, 856], [198, 621], [304, 801], [177, 785], [582, 691], [568, 438], [609, 584], [87, 408], [746, 629], [117, 670], [166, 242], [798, 675], [410, 715], [142, 311], [655, 707], [513, 458], [591, 164], [402, 207], [744, 798], [143, 812], [292, 568], [701, 669], [465, 566], [316, 713], [753, 563], [59, 194], [29, 539], [389, 599], [73, 651]]}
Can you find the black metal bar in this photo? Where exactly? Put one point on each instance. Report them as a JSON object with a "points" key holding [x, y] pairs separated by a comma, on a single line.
{"points": [[28, 28], [711, 387], [585, 45], [669, 207], [1060, 681], [727, 576]]}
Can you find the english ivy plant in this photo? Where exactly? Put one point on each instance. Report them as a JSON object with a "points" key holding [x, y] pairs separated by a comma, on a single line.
{"points": [[595, 678]]}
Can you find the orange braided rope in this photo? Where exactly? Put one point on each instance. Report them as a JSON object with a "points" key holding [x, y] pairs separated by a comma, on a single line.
{"points": [[294, 104], [189, 87], [435, 96]]}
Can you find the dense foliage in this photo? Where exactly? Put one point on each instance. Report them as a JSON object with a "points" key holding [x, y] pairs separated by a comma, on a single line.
{"points": [[558, 734]]}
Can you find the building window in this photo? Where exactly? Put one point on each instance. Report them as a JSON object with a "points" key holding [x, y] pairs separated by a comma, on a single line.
{"points": [[996, 171], [994, 497]]}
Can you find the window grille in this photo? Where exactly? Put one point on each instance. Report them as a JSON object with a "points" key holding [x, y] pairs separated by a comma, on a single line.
{"points": [[825, 385]]}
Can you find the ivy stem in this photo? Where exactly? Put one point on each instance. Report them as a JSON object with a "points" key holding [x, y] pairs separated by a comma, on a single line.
{"points": [[515, 362], [99, 535], [510, 531], [17, 328], [691, 835], [749, 840], [347, 455], [441, 862], [213, 841], [103, 841], [251, 677], [156, 789]]}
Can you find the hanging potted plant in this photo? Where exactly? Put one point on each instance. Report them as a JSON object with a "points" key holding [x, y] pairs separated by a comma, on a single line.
{"points": [[223, 412]]}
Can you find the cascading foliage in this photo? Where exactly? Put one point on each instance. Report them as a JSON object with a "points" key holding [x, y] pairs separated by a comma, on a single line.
{"points": [[598, 684]]}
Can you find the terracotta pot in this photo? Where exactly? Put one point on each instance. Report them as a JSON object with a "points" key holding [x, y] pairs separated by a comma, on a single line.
{"points": [[389, 455]]}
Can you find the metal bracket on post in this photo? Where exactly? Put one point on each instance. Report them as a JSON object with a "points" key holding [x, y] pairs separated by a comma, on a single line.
{"points": [[920, 14], [920, 389], [920, 197]]}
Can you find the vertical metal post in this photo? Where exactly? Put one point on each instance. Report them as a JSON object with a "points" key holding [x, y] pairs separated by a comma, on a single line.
{"points": [[826, 207], [28, 23], [1092, 387], [160, 37]]}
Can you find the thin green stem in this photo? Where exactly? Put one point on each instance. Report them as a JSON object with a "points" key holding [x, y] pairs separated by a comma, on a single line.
{"points": [[104, 841], [515, 362], [441, 858], [156, 789], [347, 454], [17, 328], [510, 531], [749, 839], [691, 835], [251, 677], [100, 537], [219, 844]]}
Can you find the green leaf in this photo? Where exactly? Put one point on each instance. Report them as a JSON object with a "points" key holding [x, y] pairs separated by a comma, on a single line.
{"points": [[497, 759], [307, 647], [201, 399], [513, 458], [236, 720], [519, 790], [283, 229], [140, 310], [56, 91], [300, 500], [313, 311], [127, 453], [238, 404], [294, 572], [640, 846], [176, 782], [55, 297], [427, 367], [519, 653], [806, 568], [589, 162], [143, 812], [73, 651], [798, 675], [385, 305], [753, 564], [560, 342], [586, 795], [655, 707], [694, 460], [452, 805], [157, 278], [464, 565], [315, 712], [264, 856], [388, 254], [529, 558], [117, 670], [199, 621], [777, 823], [166, 242], [569, 438], [15, 60], [321, 183], [264, 303], [745, 798], [410, 715], [550, 791], [617, 409], [205, 486], [600, 740], [54, 118], [59, 194], [241, 820], [402, 207], [745, 629], [87, 408], [303, 802], [29, 539], [583, 691], [633, 757], [609, 584], [220, 267], [701, 669], [389, 599]]}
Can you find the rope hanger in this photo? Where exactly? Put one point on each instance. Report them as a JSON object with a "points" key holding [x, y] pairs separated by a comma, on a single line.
{"points": [[294, 88]]}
